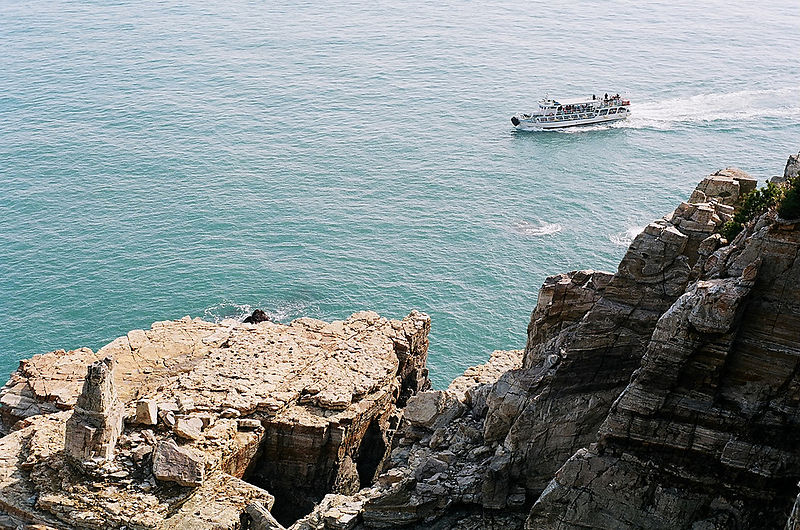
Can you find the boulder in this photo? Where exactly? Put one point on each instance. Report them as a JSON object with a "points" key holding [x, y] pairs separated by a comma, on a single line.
{"points": [[188, 428], [176, 464], [257, 316], [432, 409], [147, 412], [185, 404]]}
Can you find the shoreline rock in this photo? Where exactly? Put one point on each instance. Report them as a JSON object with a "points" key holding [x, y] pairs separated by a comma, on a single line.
{"points": [[302, 409]]}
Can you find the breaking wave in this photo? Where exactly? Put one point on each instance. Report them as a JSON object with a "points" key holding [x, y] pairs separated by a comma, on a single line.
{"points": [[282, 312], [536, 229], [227, 309], [625, 238]]}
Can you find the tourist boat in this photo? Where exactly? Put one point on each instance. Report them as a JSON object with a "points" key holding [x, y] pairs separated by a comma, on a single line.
{"points": [[554, 114]]}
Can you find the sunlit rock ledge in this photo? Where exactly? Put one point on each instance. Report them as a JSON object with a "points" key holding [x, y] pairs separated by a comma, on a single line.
{"points": [[298, 410]]}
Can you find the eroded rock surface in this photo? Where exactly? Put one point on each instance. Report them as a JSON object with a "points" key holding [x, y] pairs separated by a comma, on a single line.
{"points": [[96, 423], [440, 461], [301, 410], [792, 168], [714, 408]]}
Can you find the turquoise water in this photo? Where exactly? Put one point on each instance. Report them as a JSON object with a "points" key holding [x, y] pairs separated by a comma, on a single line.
{"points": [[320, 158]]}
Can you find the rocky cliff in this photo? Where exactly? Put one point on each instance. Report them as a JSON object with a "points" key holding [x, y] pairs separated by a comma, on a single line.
{"points": [[664, 395], [706, 431]]}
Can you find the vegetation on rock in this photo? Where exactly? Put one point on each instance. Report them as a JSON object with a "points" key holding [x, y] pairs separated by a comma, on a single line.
{"points": [[755, 203], [790, 205]]}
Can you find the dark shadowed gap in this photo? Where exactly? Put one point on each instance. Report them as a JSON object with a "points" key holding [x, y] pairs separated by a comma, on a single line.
{"points": [[371, 454]]}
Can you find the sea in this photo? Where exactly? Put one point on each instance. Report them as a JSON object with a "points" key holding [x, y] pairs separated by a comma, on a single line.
{"points": [[161, 159]]}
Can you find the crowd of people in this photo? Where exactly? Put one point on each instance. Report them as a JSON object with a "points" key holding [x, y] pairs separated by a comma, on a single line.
{"points": [[584, 107]]}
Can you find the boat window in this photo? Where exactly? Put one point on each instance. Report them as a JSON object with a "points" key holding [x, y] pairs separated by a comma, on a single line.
{"points": [[612, 111], [603, 112]]}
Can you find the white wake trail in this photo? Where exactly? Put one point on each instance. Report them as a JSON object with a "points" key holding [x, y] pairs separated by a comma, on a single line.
{"points": [[744, 105]]}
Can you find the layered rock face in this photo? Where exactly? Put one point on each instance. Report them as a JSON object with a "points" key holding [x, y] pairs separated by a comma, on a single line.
{"points": [[93, 429], [588, 334], [302, 409], [714, 408]]}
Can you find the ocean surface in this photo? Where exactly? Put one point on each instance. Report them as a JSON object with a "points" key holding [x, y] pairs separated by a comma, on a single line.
{"points": [[160, 159]]}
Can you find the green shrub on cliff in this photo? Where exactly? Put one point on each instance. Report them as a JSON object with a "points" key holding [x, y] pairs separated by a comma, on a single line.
{"points": [[730, 230], [755, 203], [790, 205]]}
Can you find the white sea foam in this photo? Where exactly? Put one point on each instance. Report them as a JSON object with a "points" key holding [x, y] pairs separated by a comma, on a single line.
{"points": [[280, 312], [536, 229], [287, 311], [227, 309], [740, 106], [624, 239]]}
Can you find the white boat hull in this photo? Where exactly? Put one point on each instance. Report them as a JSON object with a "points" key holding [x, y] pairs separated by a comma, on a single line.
{"points": [[532, 125]]}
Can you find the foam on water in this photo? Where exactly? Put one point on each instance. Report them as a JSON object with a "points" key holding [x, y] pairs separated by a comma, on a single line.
{"points": [[227, 309], [742, 107], [536, 229], [738, 107], [287, 311], [624, 239], [276, 311]]}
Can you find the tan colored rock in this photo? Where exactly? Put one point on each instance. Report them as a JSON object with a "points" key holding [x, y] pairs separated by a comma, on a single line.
{"points": [[430, 408], [248, 423], [219, 504], [185, 404], [726, 186], [261, 519], [147, 412], [27, 393], [177, 464], [499, 362], [96, 423], [188, 428], [306, 408]]}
